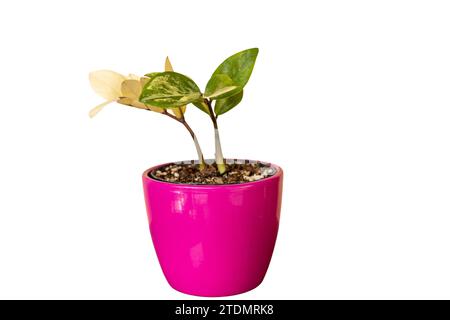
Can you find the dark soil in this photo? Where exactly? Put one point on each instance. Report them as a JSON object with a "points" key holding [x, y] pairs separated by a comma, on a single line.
{"points": [[190, 173]]}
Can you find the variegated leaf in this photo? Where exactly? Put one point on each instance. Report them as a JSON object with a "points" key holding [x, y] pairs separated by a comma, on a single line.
{"points": [[177, 112], [170, 90]]}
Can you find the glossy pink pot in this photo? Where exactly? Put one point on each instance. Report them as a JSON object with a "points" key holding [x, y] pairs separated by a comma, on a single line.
{"points": [[214, 240]]}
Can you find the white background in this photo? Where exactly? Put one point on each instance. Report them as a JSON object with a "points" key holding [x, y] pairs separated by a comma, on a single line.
{"points": [[351, 98]]}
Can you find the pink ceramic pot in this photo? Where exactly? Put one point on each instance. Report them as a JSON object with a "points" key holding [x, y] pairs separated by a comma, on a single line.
{"points": [[214, 240]]}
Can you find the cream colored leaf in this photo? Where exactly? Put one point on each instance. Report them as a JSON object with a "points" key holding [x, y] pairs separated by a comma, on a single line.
{"points": [[183, 109], [131, 89], [168, 65], [156, 109], [140, 105], [133, 77], [98, 108], [132, 103], [107, 83], [125, 101]]}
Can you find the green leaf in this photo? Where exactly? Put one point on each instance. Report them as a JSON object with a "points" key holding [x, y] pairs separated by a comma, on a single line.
{"points": [[221, 86], [225, 105], [170, 90], [239, 66]]}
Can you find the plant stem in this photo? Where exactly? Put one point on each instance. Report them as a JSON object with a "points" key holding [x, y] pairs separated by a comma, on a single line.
{"points": [[191, 132], [219, 155]]}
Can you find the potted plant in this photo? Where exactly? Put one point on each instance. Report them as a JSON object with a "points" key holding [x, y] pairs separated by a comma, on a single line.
{"points": [[213, 223]]}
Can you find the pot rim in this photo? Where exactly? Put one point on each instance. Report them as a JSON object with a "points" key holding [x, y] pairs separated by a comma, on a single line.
{"points": [[277, 174]]}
